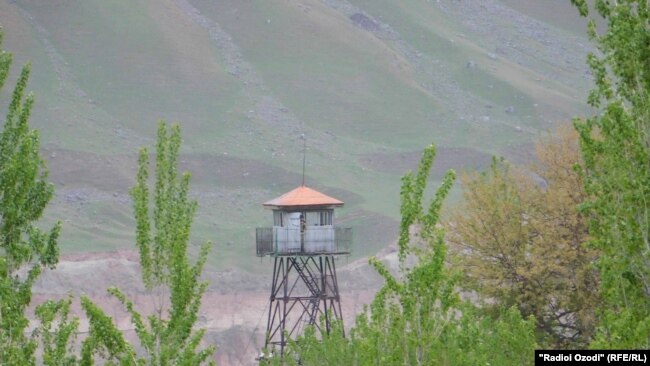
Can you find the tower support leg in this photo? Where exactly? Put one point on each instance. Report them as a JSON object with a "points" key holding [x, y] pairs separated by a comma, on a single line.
{"points": [[303, 289]]}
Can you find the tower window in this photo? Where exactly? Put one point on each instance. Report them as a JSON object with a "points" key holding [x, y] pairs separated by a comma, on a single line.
{"points": [[326, 217], [277, 218]]}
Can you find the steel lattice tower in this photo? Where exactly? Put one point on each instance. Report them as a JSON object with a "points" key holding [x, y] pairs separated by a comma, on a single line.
{"points": [[304, 244]]}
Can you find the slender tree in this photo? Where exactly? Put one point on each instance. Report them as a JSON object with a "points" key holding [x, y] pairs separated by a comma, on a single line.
{"points": [[167, 336], [57, 333], [162, 236], [616, 149], [25, 250]]}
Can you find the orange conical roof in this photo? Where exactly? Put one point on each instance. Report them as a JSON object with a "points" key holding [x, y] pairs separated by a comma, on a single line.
{"points": [[303, 196]]}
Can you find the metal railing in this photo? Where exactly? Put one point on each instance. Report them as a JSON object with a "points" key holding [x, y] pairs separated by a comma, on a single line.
{"points": [[313, 240]]}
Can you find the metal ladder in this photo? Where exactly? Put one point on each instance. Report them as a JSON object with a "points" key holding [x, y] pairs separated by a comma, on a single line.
{"points": [[313, 287]]}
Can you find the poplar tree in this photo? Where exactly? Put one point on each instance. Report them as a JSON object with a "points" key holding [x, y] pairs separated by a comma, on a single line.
{"points": [[616, 148], [25, 250], [167, 337]]}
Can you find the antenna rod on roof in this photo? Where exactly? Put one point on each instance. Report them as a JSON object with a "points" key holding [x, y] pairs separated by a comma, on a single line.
{"points": [[304, 156]]}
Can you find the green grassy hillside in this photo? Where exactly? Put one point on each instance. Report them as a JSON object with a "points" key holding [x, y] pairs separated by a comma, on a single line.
{"points": [[368, 82]]}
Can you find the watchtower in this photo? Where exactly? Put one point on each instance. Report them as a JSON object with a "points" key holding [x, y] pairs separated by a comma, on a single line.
{"points": [[304, 243]]}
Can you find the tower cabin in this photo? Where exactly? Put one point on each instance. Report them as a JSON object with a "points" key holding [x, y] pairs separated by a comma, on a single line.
{"points": [[303, 224]]}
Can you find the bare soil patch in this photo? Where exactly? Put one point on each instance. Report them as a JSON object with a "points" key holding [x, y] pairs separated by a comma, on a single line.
{"points": [[116, 173], [233, 309]]}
